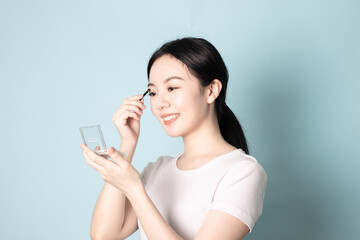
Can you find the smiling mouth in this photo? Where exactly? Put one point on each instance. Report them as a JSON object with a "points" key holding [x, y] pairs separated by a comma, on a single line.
{"points": [[171, 118]]}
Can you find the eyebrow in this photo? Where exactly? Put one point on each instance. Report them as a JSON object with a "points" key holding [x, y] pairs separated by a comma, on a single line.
{"points": [[167, 79]]}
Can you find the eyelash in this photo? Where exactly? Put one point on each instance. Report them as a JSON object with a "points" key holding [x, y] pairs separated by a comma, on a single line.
{"points": [[170, 89]]}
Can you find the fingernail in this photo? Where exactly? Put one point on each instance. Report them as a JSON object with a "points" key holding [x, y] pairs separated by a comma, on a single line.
{"points": [[109, 150]]}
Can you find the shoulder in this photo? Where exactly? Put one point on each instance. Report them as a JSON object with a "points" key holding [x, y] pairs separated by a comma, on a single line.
{"points": [[241, 189], [240, 165], [152, 167], [160, 161]]}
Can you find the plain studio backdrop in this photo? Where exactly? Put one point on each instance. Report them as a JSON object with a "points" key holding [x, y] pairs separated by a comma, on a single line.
{"points": [[294, 85]]}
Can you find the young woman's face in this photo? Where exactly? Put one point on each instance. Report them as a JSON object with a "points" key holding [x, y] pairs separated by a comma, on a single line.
{"points": [[177, 99]]}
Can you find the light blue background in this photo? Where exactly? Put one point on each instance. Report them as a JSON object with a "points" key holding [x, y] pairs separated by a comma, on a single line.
{"points": [[294, 85]]}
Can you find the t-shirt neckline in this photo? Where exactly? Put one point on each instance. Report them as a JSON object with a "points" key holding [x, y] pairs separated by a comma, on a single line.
{"points": [[214, 160]]}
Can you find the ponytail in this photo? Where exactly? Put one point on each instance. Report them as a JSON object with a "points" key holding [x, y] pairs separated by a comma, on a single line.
{"points": [[230, 128]]}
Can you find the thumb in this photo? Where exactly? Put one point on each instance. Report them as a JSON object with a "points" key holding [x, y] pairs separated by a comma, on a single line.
{"points": [[116, 155]]}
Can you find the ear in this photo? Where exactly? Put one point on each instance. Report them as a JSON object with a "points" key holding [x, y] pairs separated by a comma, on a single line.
{"points": [[214, 89]]}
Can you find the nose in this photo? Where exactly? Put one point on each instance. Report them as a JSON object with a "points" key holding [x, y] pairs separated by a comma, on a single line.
{"points": [[162, 102]]}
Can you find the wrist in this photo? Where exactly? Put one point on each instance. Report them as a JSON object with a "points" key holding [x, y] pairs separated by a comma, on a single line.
{"points": [[128, 148], [137, 191]]}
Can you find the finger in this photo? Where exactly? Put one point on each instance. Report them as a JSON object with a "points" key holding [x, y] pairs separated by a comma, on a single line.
{"points": [[132, 108], [117, 156], [126, 115], [134, 115], [128, 106], [92, 164], [97, 148], [89, 161], [102, 165], [137, 103], [136, 97], [96, 158], [134, 100]]}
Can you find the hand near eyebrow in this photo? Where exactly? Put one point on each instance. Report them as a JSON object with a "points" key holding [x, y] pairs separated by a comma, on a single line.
{"points": [[119, 172], [127, 119]]}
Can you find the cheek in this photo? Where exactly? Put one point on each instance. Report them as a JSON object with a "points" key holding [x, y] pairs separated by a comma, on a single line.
{"points": [[185, 97], [152, 106], [180, 100], [189, 102]]}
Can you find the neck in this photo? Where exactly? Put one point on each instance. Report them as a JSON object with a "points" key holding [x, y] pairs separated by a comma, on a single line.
{"points": [[206, 139]]}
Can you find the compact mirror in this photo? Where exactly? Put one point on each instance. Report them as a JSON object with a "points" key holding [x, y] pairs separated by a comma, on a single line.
{"points": [[92, 136]]}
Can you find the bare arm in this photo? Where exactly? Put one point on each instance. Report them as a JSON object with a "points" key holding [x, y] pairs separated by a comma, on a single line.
{"points": [[154, 225], [118, 222], [220, 225], [113, 216]]}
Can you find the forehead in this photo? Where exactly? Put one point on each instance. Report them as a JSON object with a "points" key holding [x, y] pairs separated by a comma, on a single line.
{"points": [[167, 66]]}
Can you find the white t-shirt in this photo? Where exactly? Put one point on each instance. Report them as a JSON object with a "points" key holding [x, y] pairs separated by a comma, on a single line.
{"points": [[233, 183]]}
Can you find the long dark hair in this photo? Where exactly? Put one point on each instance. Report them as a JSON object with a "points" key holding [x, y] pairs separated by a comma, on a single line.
{"points": [[205, 63]]}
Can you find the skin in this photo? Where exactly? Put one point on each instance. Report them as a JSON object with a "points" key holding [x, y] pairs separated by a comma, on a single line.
{"points": [[123, 200]]}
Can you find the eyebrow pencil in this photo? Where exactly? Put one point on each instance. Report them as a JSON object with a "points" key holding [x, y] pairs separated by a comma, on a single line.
{"points": [[144, 95]]}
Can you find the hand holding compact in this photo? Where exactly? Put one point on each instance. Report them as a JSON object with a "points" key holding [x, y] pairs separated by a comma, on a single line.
{"points": [[119, 172]]}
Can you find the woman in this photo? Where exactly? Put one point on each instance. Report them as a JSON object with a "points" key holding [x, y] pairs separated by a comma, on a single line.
{"points": [[213, 190]]}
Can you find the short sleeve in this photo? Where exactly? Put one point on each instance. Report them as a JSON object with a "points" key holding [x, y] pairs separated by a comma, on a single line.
{"points": [[151, 168], [146, 172], [241, 192]]}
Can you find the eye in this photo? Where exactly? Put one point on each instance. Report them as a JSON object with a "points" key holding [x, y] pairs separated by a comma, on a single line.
{"points": [[151, 94], [170, 89]]}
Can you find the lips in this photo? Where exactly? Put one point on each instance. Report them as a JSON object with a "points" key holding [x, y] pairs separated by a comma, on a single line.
{"points": [[170, 118]]}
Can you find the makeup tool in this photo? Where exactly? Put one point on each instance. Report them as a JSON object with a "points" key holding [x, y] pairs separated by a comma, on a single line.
{"points": [[144, 94]]}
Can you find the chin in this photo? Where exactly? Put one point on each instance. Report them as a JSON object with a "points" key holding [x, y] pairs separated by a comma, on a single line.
{"points": [[173, 133]]}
